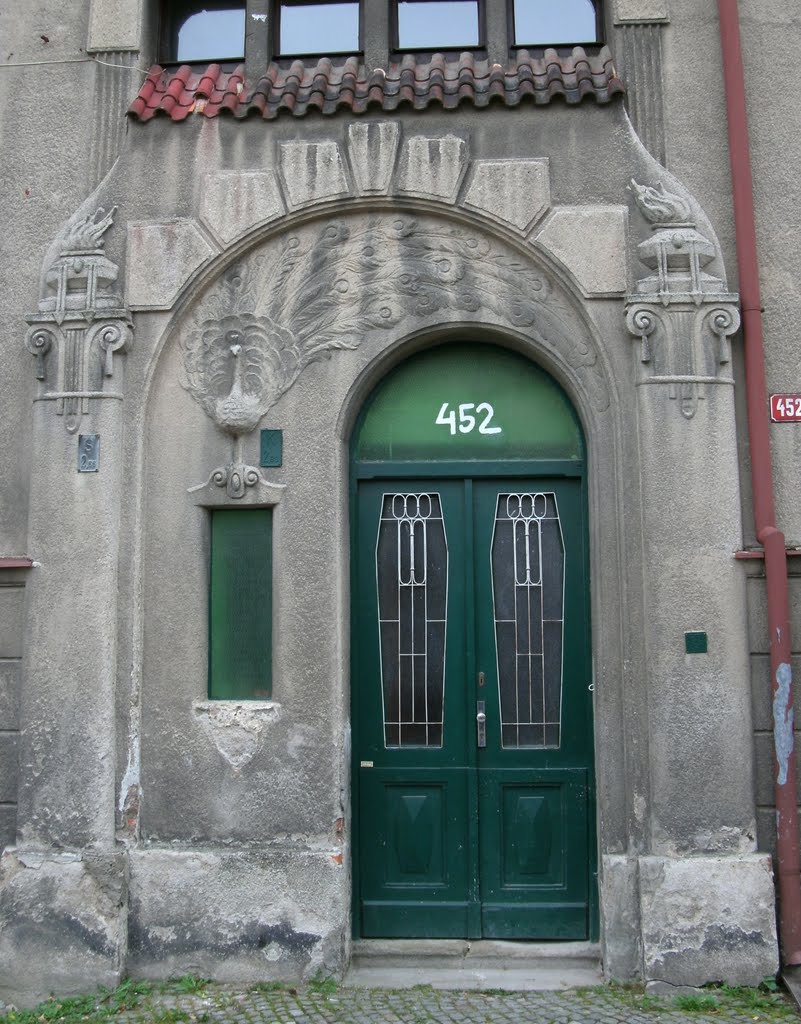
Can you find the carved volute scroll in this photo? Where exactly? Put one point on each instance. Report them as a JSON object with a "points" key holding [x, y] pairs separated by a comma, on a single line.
{"points": [[682, 316], [81, 322], [328, 288]]}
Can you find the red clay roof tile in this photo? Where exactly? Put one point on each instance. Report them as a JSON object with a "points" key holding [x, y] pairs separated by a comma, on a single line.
{"points": [[329, 87]]}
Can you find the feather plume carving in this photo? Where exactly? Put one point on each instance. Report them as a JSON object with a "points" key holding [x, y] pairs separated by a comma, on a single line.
{"points": [[267, 321]]}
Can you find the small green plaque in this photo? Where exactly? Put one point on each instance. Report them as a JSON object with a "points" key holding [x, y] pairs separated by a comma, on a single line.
{"points": [[695, 642], [272, 448]]}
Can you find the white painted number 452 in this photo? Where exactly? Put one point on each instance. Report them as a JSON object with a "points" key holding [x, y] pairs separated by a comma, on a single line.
{"points": [[467, 421]]}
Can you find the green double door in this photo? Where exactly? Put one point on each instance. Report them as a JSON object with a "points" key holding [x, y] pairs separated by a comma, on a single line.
{"points": [[472, 709]]}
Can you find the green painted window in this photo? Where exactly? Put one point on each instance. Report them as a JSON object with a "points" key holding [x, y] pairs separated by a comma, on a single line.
{"points": [[240, 604], [469, 401]]}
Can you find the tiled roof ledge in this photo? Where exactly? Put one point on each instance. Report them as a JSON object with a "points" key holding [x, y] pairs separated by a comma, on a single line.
{"points": [[330, 86]]}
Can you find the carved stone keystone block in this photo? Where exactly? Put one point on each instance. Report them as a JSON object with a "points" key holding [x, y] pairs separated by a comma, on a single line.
{"points": [[312, 171], [433, 167], [373, 151], [517, 192], [234, 202], [161, 258], [589, 243]]}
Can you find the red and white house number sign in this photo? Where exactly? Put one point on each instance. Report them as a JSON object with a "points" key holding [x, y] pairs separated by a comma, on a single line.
{"points": [[785, 408]]}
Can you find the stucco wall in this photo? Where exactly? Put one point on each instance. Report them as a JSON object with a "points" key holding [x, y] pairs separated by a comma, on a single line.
{"points": [[674, 784]]}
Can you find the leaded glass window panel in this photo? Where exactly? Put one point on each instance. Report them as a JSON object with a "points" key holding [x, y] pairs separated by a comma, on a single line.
{"points": [[528, 568], [412, 580]]}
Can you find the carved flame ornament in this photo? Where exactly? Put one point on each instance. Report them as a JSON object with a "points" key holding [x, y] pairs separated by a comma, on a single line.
{"points": [[81, 322], [682, 315]]}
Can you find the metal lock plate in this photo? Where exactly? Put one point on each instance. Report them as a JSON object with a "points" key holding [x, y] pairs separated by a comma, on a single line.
{"points": [[481, 723]]}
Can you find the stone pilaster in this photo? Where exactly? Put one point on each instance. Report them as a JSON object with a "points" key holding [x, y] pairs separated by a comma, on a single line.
{"points": [[63, 888], [682, 318]]}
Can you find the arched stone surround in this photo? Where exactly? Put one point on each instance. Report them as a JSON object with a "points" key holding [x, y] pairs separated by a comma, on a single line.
{"points": [[317, 413]]}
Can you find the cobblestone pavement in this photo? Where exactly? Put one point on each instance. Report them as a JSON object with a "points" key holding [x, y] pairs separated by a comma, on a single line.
{"points": [[191, 1001], [325, 1004]]}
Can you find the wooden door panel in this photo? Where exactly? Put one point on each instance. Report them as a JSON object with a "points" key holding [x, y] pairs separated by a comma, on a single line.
{"points": [[533, 836], [415, 875]]}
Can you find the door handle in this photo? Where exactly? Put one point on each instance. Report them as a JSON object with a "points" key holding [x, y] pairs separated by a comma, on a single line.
{"points": [[481, 723]]}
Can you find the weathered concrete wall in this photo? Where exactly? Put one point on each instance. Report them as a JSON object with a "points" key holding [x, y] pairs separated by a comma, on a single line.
{"points": [[42, 56]]}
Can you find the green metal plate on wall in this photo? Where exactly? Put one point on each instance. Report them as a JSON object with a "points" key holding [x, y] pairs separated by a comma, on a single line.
{"points": [[271, 448], [469, 402], [695, 642]]}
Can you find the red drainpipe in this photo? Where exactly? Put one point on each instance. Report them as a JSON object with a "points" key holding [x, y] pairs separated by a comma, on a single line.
{"points": [[768, 535]]}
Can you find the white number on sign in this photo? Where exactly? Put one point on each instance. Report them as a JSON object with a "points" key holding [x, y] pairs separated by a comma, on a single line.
{"points": [[485, 427], [788, 406], [467, 422]]}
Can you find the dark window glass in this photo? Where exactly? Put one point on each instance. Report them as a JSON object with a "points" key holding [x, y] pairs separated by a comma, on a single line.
{"points": [[207, 33], [240, 604], [437, 24], [528, 564], [544, 23], [412, 580], [319, 28]]}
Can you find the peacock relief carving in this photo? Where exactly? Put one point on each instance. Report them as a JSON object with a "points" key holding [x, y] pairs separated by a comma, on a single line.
{"points": [[269, 318]]}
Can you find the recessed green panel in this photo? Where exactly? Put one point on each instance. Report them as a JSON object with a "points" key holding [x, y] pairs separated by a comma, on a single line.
{"points": [[271, 448], [695, 642], [469, 401], [240, 604]]}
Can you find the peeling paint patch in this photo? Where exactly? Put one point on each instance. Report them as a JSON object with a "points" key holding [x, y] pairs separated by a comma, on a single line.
{"points": [[130, 780], [783, 718]]}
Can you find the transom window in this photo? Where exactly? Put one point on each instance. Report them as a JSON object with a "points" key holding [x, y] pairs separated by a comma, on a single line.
{"points": [[212, 30], [545, 23], [437, 24], [196, 31], [314, 28]]}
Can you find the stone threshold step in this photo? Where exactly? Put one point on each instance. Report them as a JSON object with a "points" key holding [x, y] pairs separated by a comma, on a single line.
{"points": [[483, 964]]}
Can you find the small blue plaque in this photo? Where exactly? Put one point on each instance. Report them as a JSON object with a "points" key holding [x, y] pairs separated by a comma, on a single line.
{"points": [[88, 453], [272, 448]]}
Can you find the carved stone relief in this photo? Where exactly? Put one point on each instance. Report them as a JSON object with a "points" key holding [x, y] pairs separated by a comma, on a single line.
{"points": [[81, 323], [235, 727], [326, 288], [682, 315]]}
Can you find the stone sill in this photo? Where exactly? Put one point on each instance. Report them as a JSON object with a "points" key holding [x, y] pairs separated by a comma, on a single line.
{"points": [[235, 726]]}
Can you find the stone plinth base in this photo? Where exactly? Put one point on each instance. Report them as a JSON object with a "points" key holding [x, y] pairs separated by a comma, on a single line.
{"points": [[62, 923], [238, 916], [689, 921], [708, 919]]}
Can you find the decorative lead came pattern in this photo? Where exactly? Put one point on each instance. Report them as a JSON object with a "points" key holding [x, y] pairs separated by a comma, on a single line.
{"points": [[412, 580], [528, 571]]}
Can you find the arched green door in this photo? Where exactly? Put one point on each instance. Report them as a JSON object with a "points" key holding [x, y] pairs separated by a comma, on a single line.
{"points": [[473, 809]]}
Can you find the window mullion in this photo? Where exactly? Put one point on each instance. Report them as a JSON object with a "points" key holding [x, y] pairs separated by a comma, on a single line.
{"points": [[497, 30], [259, 43], [375, 34]]}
